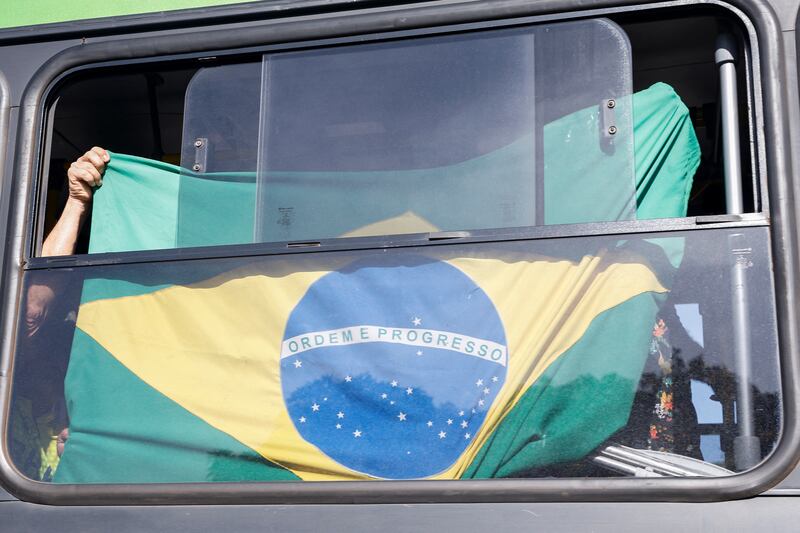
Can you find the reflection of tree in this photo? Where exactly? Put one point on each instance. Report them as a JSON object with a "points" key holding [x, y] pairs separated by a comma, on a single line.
{"points": [[688, 361], [766, 404], [687, 430], [681, 426]]}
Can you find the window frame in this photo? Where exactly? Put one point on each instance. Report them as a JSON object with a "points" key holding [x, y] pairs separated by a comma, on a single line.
{"points": [[303, 30]]}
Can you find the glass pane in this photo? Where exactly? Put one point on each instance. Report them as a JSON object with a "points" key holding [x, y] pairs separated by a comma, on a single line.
{"points": [[447, 133], [595, 356], [502, 128], [220, 124], [214, 190]]}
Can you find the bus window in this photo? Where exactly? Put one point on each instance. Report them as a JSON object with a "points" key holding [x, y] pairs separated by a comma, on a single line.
{"points": [[520, 359], [459, 338], [407, 136]]}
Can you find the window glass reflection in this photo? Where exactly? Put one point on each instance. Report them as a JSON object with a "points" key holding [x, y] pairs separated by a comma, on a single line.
{"points": [[565, 357]]}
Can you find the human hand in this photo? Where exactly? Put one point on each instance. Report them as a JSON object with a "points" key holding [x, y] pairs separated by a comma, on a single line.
{"points": [[61, 441], [86, 173], [37, 305]]}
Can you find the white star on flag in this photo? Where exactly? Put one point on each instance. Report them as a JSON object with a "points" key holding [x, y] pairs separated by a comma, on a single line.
{"points": [[480, 402], [479, 383], [338, 426], [340, 415], [409, 391], [449, 421], [302, 420], [416, 320], [384, 396], [357, 433], [494, 379], [401, 416], [464, 423], [442, 434], [298, 363], [486, 390], [467, 435], [429, 424], [394, 383], [419, 352], [348, 379], [315, 407], [461, 413]]}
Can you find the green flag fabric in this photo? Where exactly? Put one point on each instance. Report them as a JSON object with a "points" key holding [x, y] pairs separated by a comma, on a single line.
{"points": [[146, 204], [453, 362]]}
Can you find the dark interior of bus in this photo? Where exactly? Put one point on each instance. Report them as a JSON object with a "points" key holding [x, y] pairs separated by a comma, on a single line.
{"points": [[139, 110]]}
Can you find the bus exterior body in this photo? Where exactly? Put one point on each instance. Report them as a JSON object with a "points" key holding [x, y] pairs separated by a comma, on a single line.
{"points": [[49, 59]]}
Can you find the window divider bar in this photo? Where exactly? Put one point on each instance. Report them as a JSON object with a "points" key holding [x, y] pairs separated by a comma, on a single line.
{"points": [[592, 229], [746, 444], [725, 57]]}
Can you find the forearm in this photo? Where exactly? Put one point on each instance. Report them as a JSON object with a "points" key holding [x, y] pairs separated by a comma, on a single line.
{"points": [[62, 239]]}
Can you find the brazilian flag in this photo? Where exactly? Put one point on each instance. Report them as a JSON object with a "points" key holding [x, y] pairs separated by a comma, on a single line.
{"points": [[443, 362]]}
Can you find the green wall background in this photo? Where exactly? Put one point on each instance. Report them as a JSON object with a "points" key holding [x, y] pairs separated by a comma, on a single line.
{"points": [[29, 12]]}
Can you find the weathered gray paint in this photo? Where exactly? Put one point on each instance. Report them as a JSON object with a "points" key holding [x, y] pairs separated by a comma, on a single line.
{"points": [[765, 515]]}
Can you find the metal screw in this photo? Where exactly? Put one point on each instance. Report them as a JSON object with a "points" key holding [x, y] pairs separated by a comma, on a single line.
{"points": [[198, 143], [611, 104], [612, 130], [197, 167]]}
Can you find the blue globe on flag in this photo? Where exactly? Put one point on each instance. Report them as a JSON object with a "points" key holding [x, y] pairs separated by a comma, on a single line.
{"points": [[390, 368]]}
